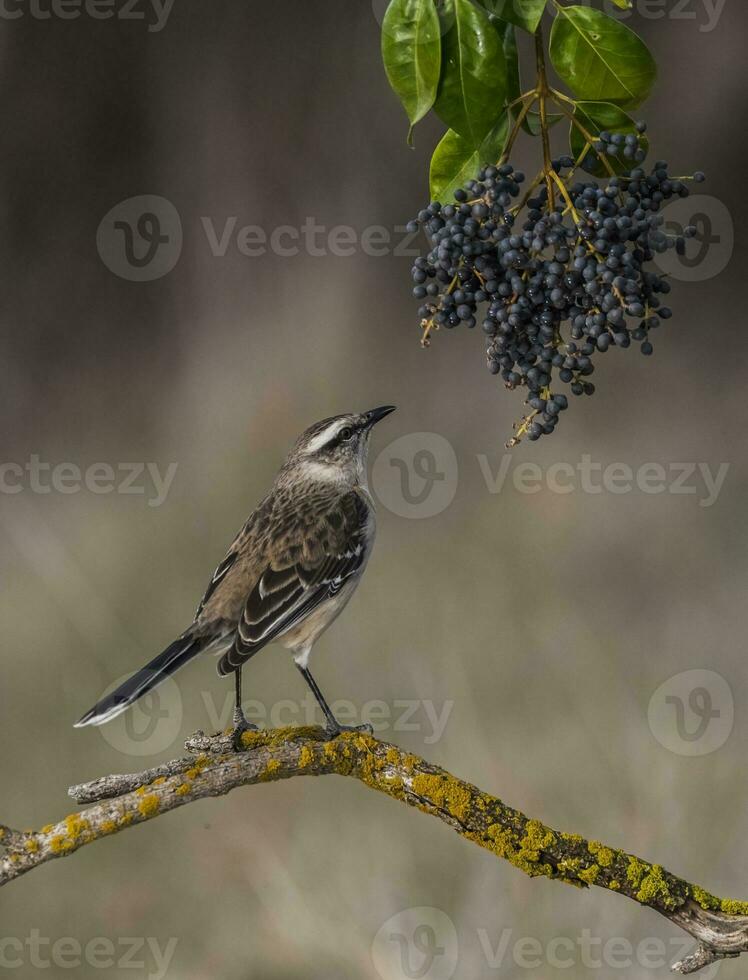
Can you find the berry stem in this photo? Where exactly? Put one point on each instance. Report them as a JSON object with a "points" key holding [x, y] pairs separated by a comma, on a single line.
{"points": [[559, 98], [543, 93], [522, 115], [521, 98], [565, 195]]}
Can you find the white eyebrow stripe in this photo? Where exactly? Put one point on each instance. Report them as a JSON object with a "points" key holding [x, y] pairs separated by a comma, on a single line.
{"points": [[326, 435]]}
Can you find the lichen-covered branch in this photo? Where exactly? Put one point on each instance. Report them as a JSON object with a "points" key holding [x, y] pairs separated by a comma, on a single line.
{"points": [[720, 926]]}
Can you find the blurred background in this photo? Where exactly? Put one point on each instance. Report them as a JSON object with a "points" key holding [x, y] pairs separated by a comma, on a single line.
{"points": [[565, 636]]}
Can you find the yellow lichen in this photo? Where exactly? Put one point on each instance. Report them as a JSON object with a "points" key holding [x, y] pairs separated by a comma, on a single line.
{"points": [[182, 790], [589, 875], [730, 906], [444, 792], [603, 855], [635, 871], [537, 838], [149, 805], [524, 852], [654, 889]]}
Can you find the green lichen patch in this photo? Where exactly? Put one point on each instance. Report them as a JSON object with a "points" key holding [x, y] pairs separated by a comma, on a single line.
{"points": [[604, 856], [709, 902], [590, 875]]}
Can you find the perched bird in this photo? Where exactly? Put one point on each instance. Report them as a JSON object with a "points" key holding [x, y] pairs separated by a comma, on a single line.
{"points": [[289, 572]]}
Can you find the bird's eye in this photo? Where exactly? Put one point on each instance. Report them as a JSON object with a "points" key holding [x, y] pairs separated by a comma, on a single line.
{"points": [[345, 433]]}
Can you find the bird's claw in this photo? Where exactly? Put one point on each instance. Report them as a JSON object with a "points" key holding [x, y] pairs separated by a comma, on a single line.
{"points": [[240, 727], [332, 732]]}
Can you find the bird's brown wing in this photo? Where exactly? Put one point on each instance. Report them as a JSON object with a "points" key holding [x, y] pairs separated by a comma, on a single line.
{"points": [[312, 561], [218, 576]]}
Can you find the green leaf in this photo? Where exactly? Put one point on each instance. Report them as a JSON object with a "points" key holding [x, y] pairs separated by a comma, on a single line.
{"points": [[596, 117], [455, 161], [522, 13], [411, 51], [473, 84], [623, 4], [599, 58], [511, 56]]}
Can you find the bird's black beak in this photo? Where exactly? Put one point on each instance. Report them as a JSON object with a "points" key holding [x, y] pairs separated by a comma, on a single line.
{"points": [[377, 414]]}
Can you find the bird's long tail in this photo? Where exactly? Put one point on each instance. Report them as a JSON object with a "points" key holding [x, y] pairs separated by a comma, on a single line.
{"points": [[176, 655]]}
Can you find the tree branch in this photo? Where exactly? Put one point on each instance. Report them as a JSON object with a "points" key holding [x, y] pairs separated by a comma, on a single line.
{"points": [[720, 926]]}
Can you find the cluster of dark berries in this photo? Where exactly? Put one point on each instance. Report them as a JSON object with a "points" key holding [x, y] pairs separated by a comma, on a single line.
{"points": [[628, 146], [570, 281]]}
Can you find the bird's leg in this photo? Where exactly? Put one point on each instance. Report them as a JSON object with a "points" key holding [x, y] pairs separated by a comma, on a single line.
{"points": [[333, 727], [241, 725]]}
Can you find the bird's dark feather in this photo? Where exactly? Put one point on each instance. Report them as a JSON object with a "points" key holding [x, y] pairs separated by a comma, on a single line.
{"points": [[313, 565]]}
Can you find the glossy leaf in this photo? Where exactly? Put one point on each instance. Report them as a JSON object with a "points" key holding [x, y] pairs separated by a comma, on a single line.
{"points": [[522, 13], [600, 58], [411, 51], [473, 84], [597, 117], [511, 56], [455, 161], [623, 4]]}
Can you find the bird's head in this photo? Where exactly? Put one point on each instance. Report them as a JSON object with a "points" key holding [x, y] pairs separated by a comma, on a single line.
{"points": [[335, 449]]}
